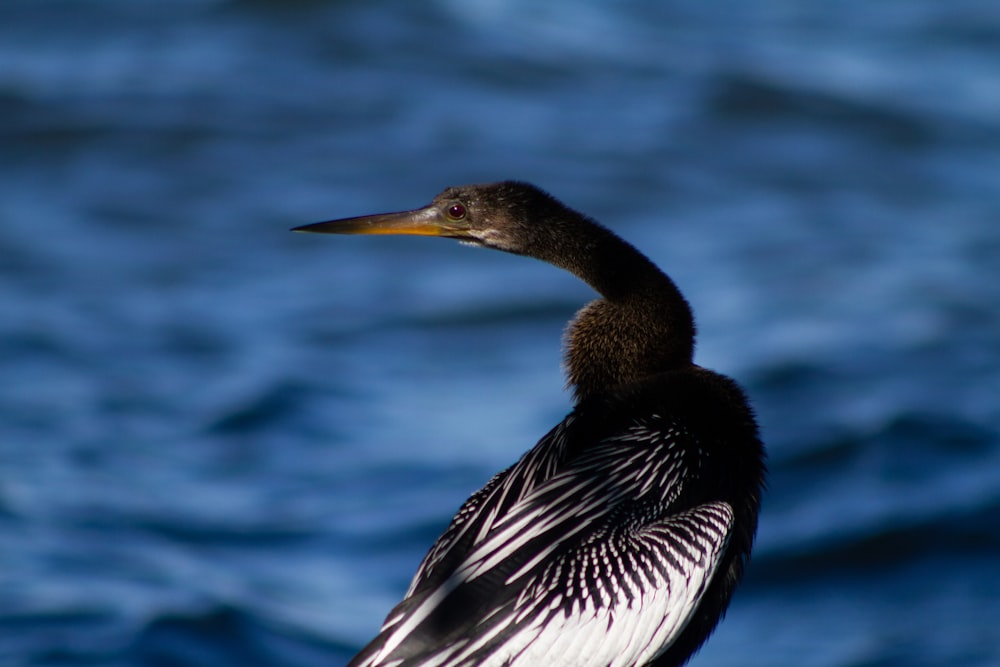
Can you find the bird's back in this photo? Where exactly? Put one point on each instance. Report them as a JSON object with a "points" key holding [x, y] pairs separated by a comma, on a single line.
{"points": [[618, 537]]}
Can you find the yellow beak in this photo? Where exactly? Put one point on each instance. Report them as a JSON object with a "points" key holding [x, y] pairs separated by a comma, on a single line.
{"points": [[429, 221]]}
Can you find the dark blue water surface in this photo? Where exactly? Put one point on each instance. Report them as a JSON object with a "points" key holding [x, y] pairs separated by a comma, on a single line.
{"points": [[225, 444]]}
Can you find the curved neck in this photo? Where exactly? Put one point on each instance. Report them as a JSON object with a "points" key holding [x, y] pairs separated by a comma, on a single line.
{"points": [[641, 327]]}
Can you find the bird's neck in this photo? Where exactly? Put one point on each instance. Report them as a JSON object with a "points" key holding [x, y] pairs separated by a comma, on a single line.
{"points": [[641, 327]]}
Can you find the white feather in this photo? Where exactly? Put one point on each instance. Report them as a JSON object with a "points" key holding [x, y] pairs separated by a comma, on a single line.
{"points": [[617, 598]]}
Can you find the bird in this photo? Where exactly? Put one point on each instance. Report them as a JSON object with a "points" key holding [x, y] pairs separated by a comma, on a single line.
{"points": [[620, 537]]}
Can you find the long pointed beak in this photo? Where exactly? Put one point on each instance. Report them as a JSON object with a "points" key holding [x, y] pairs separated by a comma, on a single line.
{"points": [[429, 221]]}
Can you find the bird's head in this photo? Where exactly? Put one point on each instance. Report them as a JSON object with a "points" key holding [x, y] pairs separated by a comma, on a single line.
{"points": [[511, 216]]}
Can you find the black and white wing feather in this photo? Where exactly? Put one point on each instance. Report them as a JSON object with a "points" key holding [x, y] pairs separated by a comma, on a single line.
{"points": [[575, 556]]}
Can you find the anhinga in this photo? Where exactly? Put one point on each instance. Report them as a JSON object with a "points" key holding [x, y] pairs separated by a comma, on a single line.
{"points": [[619, 538]]}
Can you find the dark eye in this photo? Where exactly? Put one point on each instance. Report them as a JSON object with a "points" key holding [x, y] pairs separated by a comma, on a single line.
{"points": [[456, 211]]}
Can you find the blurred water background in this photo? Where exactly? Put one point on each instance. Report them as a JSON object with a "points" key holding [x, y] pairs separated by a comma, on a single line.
{"points": [[225, 444]]}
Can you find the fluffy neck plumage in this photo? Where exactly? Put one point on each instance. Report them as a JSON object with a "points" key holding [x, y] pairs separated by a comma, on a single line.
{"points": [[642, 326]]}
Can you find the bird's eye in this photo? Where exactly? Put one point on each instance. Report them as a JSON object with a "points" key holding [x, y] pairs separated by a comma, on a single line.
{"points": [[456, 211]]}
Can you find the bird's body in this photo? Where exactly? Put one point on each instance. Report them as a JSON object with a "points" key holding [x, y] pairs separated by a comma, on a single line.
{"points": [[619, 538]]}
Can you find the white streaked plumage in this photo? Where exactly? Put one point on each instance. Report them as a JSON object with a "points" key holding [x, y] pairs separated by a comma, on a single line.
{"points": [[607, 570]]}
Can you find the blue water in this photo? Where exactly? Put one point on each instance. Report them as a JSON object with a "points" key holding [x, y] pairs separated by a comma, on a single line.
{"points": [[224, 444]]}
